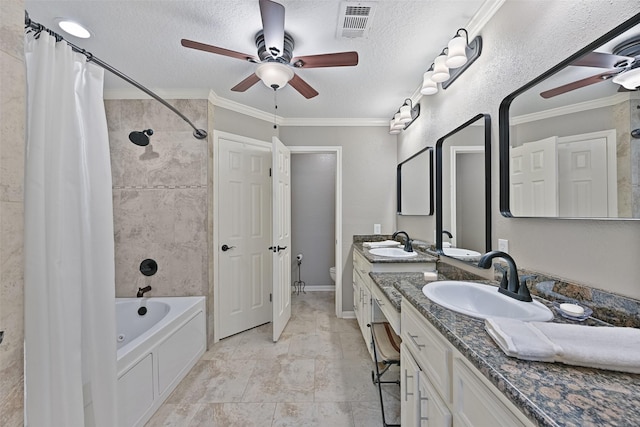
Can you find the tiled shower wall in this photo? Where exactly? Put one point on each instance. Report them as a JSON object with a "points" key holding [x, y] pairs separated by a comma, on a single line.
{"points": [[12, 136], [159, 197]]}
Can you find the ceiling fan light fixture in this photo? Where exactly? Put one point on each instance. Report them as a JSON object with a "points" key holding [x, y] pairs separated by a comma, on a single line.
{"points": [[274, 74], [429, 87], [629, 79], [440, 69]]}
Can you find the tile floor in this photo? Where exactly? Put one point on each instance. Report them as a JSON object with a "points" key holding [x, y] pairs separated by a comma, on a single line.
{"points": [[317, 374]]}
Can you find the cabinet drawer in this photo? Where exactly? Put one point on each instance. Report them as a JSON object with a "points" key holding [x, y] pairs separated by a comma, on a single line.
{"points": [[389, 311], [476, 404], [432, 352], [360, 265]]}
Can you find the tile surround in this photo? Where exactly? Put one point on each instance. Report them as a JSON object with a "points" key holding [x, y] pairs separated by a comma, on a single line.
{"points": [[12, 134]]}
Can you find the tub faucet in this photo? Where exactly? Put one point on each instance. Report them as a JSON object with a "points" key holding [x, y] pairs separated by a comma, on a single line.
{"points": [[407, 241], [513, 287], [142, 291]]}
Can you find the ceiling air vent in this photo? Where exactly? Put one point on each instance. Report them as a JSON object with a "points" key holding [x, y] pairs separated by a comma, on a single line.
{"points": [[355, 19]]}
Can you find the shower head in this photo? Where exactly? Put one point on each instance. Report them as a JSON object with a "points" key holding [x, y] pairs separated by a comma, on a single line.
{"points": [[141, 138]]}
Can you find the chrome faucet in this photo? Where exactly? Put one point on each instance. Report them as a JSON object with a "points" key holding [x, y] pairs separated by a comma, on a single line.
{"points": [[513, 287], [407, 241], [142, 291]]}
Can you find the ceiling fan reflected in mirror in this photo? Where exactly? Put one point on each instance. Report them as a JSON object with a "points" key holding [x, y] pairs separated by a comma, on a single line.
{"points": [[275, 59], [623, 68]]}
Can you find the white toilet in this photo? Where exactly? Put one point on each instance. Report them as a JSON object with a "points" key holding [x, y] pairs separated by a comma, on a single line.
{"points": [[332, 273]]}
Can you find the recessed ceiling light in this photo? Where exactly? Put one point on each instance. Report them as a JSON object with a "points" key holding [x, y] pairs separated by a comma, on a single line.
{"points": [[74, 29]]}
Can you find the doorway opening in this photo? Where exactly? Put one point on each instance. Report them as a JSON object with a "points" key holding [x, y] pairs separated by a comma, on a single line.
{"points": [[320, 251]]}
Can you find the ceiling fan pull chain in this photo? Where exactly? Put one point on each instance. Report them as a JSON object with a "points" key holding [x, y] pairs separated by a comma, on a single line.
{"points": [[275, 106]]}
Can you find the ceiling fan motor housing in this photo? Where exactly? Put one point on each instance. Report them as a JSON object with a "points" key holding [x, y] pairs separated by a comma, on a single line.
{"points": [[265, 55]]}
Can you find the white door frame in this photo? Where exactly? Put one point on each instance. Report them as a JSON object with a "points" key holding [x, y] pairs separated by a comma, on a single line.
{"points": [[217, 135], [455, 150], [337, 150]]}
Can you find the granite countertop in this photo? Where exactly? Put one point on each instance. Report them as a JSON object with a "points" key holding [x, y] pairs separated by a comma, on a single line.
{"points": [[549, 394], [422, 256]]}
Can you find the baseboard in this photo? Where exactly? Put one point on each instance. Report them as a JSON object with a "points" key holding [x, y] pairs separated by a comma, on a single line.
{"points": [[320, 288], [348, 314]]}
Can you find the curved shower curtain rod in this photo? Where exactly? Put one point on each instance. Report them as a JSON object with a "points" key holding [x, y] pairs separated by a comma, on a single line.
{"points": [[28, 23]]}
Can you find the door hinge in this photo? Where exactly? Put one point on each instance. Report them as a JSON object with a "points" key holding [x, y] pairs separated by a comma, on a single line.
{"points": [[270, 297], [269, 171]]}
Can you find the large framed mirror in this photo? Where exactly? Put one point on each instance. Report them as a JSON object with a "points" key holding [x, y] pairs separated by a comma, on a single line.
{"points": [[463, 190], [569, 139], [414, 180]]}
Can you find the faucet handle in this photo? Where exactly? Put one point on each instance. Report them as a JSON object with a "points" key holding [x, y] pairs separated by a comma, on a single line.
{"points": [[523, 290]]}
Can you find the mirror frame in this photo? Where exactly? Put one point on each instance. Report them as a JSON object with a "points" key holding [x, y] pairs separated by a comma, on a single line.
{"points": [[503, 118], [399, 183], [487, 179]]}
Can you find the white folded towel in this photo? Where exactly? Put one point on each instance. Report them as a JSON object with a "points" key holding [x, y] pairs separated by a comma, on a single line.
{"points": [[612, 348], [382, 244]]}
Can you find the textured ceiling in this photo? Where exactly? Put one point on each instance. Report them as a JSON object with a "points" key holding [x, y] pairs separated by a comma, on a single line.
{"points": [[142, 39]]}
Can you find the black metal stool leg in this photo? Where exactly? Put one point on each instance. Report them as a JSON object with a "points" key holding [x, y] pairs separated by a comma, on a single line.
{"points": [[376, 379]]}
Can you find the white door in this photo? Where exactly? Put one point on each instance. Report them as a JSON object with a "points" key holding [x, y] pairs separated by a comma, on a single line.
{"points": [[534, 171], [281, 245], [243, 235], [583, 176]]}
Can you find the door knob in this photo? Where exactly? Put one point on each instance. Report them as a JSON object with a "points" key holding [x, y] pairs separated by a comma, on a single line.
{"points": [[277, 248], [281, 248], [225, 248]]}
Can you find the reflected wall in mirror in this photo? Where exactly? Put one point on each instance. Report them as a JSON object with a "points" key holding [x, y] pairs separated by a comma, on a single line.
{"points": [[414, 178], [567, 145], [463, 190]]}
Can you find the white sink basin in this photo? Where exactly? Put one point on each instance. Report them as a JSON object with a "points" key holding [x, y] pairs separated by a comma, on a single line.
{"points": [[462, 254], [393, 252], [478, 300]]}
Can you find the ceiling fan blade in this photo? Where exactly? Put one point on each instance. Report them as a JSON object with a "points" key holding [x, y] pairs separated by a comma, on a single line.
{"points": [[246, 83], [303, 87], [341, 59], [219, 50], [578, 84], [273, 26], [603, 60]]}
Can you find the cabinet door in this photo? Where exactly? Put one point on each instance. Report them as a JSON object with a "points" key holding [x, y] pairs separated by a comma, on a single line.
{"points": [[432, 412], [366, 318], [475, 404], [409, 371]]}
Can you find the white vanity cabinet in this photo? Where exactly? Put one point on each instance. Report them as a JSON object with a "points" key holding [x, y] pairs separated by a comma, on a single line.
{"points": [[441, 387]]}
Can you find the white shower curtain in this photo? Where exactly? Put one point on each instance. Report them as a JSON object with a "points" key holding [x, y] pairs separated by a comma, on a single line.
{"points": [[70, 349]]}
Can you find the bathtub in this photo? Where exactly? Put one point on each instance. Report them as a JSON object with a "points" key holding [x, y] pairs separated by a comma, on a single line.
{"points": [[155, 352]]}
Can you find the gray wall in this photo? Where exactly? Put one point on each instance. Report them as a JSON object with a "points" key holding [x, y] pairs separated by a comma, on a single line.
{"points": [[12, 135], [521, 41], [313, 222], [368, 183]]}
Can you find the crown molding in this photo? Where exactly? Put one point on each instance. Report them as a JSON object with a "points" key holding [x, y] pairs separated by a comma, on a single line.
{"points": [[292, 121], [570, 109]]}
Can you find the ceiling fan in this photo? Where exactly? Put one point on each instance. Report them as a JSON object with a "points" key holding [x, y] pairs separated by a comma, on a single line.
{"points": [[623, 68], [275, 55]]}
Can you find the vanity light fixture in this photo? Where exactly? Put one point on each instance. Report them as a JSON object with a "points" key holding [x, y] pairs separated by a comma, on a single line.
{"points": [[429, 87], [452, 61], [457, 49], [404, 117], [440, 69]]}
